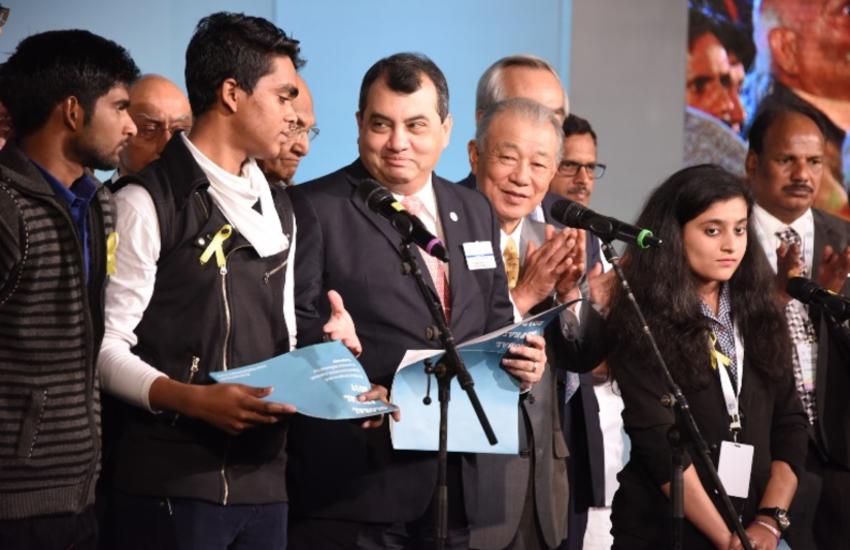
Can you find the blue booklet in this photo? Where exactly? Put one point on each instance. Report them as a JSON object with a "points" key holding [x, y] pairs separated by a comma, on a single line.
{"points": [[322, 381], [497, 390]]}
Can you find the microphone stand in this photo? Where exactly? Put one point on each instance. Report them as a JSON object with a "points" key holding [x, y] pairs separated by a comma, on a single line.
{"points": [[683, 430], [450, 365]]}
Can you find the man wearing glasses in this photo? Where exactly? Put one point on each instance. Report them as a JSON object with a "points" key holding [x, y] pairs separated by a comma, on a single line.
{"points": [[281, 170], [578, 169], [160, 109]]}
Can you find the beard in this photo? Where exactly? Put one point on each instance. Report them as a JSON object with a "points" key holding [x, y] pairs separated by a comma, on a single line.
{"points": [[94, 155]]}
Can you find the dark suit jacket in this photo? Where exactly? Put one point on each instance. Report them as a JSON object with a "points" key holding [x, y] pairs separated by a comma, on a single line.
{"points": [[497, 509], [832, 379], [774, 423], [338, 470]]}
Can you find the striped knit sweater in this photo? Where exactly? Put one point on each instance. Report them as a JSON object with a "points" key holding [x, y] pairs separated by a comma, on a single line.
{"points": [[51, 325]]}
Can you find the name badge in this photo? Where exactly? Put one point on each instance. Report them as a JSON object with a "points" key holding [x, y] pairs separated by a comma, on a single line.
{"points": [[479, 255], [735, 467]]}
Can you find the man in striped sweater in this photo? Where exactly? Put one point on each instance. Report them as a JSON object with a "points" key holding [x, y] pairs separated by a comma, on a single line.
{"points": [[66, 92]]}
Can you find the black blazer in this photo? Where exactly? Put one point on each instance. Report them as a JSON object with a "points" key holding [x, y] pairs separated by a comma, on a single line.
{"points": [[832, 379], [338, 470], [773, 422]]}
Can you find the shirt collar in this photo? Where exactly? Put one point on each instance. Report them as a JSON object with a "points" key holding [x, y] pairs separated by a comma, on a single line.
{"points": [[426, 197], [771, 225], [515, 235], [82, 190], [724, 309]]}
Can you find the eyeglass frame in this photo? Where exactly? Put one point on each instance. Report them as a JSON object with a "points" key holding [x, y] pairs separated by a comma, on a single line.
{"points": [[590, 168]]}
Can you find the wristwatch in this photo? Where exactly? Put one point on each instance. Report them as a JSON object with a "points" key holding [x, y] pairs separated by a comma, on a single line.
{"points": [[779, 514]]}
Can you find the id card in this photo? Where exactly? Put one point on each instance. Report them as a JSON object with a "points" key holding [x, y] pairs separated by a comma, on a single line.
{"points": [[479, 255], [734, 468]]}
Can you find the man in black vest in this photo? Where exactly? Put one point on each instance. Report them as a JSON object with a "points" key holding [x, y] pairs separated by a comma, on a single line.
{"points": [[206, 285]]}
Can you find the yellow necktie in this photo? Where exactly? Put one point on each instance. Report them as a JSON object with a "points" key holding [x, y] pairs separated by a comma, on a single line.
{"points": [[510, 255]]}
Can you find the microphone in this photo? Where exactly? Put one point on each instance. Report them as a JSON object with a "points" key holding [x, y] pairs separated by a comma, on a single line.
{"points": [[811, 293], [382, 202], [572, 214]]}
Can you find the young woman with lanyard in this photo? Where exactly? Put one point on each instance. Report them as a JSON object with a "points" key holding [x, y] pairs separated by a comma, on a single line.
{"points": [[708, 295]]}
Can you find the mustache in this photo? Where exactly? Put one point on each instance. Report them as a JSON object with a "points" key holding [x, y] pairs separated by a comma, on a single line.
{"points": [[800, 187]]}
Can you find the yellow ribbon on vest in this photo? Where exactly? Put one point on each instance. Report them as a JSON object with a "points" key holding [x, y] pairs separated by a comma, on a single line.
{"points": [[216, 246], [111, 249], [717, 357]]}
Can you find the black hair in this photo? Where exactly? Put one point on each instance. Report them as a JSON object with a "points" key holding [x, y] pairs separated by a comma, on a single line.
{"points": [[574, 125], [699, 24], [48, 67], [770, 113], [664, 286], [232, 45], [403, 73]]}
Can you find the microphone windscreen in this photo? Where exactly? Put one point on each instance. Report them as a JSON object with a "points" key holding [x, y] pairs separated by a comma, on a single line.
{"points": [[567, 212]]}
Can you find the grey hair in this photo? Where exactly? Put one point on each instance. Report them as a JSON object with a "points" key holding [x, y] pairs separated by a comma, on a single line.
{"points": [[526, 109], [490, 88]]}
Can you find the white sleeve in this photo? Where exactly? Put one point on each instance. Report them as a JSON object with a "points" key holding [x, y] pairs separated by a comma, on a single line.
{"points": [[128, 293], [289, 290]]}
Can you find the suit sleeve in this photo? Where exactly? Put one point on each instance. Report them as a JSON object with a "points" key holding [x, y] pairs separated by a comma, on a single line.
{"points": [[308, 269], [788, 431], [646, 420]]}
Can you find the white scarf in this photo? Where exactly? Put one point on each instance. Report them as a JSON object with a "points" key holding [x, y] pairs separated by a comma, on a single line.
{"points": [[236, 195]]}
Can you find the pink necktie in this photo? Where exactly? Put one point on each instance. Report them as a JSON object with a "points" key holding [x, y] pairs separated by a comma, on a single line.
{"points": [[435, 267]]}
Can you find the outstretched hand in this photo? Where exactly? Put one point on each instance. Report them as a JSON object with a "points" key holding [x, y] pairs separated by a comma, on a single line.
{"points": [[340, 325]]}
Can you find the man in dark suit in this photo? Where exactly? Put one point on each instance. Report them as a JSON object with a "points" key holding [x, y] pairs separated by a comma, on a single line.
{"points": [[350, 489], [575, 180], [785, 166], [516, 153]]}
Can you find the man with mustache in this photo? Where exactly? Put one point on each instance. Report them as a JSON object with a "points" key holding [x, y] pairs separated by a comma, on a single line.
{"points": [[785, 166]]}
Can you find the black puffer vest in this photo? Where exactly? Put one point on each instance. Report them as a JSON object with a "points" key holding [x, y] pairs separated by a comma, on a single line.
{"points": [[204, 317]]}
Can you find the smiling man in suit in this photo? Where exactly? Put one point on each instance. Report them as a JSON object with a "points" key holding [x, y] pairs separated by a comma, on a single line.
{"points": [[515, 155], [350, 489]]}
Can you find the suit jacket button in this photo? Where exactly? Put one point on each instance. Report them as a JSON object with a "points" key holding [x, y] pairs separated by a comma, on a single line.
{"points": [[530, 398]]}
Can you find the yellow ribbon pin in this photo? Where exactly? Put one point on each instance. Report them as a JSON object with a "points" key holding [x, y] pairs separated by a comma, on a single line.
{"points": [[111, 249], [217, 246], [717, 357]]}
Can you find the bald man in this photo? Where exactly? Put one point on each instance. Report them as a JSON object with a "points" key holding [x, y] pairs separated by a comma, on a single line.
{"points": [[159, 108], [282, 169]]}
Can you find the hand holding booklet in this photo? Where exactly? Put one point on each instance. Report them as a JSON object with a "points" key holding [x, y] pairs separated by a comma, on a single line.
{"points": [[322, 381], [497, 390]]}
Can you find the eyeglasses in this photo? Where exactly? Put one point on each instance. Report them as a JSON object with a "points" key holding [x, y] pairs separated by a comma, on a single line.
{"points": [[149, 131], [297, 131], [570, 168], [699, 83]]}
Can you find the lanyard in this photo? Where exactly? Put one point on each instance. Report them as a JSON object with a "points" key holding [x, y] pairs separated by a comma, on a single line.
{"points": [[730, 395]]}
